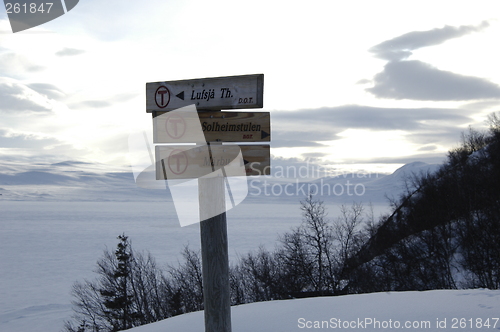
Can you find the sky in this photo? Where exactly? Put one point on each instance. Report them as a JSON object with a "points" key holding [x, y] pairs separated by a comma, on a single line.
{"points": [[350, 84]]}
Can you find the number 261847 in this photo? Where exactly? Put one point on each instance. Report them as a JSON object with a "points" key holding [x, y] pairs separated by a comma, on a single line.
{"points": [[28, 8]]}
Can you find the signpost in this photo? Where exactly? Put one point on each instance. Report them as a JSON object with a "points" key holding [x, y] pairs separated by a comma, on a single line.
{"points": [[211, 162], [216, 126], [218, 93], [191, 161]]}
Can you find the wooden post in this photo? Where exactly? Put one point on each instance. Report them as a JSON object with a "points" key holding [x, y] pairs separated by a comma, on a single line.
{"points": [[214, 254]]}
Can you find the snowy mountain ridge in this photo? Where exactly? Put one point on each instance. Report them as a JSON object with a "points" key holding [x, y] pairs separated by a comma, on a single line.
{"points": [[79, 181]]}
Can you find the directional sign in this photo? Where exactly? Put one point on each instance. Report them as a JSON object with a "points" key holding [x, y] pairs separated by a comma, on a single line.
{"points": [[195, 161], [181, 127], [218, 93]]}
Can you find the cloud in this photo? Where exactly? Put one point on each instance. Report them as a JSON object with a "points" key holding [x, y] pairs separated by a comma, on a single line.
{"points": [[50, 90], [429, 127], [400, 48], [363, 81], [91, 104], [482, 105], [118, 98], [315, 155], [431, 147], [325, 123], [69, 52], [15, 65], [416, 80], [15, 96], [285, 142], [420, 81], [430, 158], [284, 138], [25, 141]]}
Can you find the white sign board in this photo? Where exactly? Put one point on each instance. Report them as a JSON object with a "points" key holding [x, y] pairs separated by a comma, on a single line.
{"points": [[218, 93]]}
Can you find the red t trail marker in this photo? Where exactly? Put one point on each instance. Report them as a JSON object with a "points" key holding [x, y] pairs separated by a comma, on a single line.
{"points": [[175, 127], [162, 96], [178, 162]]}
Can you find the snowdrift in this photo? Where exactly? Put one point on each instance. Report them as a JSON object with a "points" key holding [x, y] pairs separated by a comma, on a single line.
{"points": [[439, 310]]}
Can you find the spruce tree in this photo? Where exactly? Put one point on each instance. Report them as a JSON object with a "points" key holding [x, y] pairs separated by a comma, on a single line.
{"points": [[116, 292]]}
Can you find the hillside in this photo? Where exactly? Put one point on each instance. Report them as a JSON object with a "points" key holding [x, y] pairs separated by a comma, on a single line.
{"points": [[444, 230]]}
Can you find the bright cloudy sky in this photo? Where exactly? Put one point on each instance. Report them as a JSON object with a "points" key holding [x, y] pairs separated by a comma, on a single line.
{"points": [[369, 83]]}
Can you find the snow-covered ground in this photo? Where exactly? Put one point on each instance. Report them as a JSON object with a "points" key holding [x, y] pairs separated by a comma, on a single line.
{"points": [[439, 310], [56, 220]]}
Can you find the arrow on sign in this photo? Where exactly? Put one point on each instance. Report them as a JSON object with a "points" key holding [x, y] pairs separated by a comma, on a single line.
{"points": [[264, 134], [180, 95]]}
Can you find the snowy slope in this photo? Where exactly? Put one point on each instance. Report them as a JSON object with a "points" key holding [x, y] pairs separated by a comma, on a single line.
{"points": [[441, 310]]}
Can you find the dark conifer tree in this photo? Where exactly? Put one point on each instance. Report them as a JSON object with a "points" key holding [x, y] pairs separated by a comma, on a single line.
{"points": [[116, 291]]}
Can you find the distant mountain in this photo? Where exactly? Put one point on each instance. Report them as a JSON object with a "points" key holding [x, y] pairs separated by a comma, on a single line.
{"points": [[71, 181], [80, 181], [34, 178], [394, 184], [344, 188]]}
